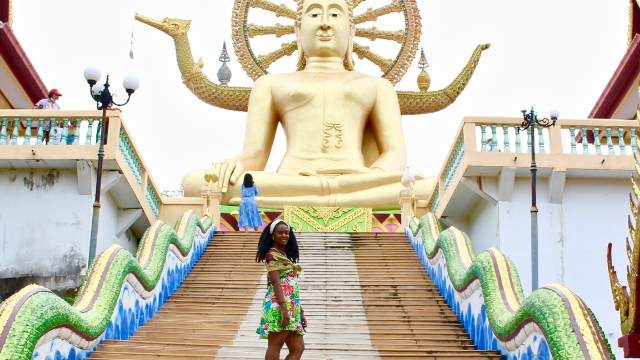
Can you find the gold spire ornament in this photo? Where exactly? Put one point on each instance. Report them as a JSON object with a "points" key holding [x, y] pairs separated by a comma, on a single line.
{"points": [[424, 80], [224, 73]]}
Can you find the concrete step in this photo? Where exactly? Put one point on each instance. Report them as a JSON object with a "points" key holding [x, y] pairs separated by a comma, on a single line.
{"points": [[366, 296]]}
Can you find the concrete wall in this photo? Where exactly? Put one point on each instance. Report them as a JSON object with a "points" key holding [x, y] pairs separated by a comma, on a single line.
{"points": [[45, 226], [483, 227], [573, 237], [595, 213]]}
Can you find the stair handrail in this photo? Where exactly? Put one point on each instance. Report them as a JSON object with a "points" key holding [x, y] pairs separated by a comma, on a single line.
{"points": [[485, 292]]}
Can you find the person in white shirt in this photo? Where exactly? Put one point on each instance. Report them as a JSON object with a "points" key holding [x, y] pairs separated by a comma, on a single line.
{"points": [[50, 103]]}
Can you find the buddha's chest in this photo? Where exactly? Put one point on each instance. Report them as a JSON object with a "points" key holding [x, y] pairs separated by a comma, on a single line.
{"points": [[325, 95]]}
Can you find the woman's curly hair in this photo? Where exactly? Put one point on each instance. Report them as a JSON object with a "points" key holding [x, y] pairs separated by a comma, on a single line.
{"points": [[266, 243]]}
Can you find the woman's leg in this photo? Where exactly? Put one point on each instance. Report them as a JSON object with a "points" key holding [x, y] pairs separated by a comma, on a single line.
{"points": [[295, 344], [276, 341]]}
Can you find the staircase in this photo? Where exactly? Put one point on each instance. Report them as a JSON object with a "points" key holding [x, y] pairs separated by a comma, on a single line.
{"points": [[366, 296]]}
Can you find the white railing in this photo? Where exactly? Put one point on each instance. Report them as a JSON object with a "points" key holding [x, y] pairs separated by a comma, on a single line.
{"points": [[582, 143], [59, 134], [599, 138], [510, 137], [49, 130]]}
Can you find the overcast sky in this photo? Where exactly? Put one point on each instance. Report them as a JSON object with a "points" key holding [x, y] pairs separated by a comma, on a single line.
{"points": [[547, 53]]}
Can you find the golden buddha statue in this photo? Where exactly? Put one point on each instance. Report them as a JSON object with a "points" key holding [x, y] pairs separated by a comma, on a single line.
{"points": [[345, 145]]}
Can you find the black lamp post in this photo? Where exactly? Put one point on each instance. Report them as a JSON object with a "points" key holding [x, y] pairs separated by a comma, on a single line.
{"points": [[104, 100], [531, 121]]}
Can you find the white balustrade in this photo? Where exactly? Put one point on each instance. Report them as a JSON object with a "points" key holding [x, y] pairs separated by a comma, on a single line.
{"points": [[60, 130], [599, 140], [618, 137], [510, 138]]}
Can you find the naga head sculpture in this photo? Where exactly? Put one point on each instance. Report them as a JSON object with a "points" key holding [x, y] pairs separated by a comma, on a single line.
{"points": [[171, 26]]}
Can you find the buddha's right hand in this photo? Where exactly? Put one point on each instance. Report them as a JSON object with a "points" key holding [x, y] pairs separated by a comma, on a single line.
{"points": [[228, 172]]}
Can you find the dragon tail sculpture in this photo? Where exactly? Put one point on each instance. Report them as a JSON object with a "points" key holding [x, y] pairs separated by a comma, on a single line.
{"points": [[226, 97], [120, 293], [418, 102], [237, 98], [485, 292]]}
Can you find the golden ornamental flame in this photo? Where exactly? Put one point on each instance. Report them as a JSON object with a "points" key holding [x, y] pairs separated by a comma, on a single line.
{"points": [[237, 98], [626, 300]]}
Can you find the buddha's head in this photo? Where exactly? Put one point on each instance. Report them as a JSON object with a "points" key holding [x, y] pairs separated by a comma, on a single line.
{"points": [[325, 28]]}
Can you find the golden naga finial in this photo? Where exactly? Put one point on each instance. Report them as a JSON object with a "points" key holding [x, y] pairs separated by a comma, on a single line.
{"points": [[237, 98], [626, 301], [226, 97], [171, 26], [414, 103]]}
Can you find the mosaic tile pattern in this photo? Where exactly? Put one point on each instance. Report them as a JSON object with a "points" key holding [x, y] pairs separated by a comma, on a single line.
{"points": [[484, 291]]}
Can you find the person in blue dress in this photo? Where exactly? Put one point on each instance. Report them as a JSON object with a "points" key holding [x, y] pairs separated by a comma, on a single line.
{"points": [[249, 216]]}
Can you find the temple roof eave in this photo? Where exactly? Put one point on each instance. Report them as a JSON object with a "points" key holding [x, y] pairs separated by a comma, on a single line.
{"points": [[620, 83], [20, 65]]}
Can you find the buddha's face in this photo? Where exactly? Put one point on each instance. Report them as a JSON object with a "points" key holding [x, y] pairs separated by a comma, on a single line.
{"points": [[325, 28]]}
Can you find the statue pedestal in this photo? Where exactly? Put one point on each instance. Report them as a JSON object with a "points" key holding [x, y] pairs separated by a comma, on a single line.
{"points": [[328, 219], [211, 196], [407, 210]]}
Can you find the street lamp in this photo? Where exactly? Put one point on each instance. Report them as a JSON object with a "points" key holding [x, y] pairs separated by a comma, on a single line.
{"points": [[104, 100], [531, 121]]}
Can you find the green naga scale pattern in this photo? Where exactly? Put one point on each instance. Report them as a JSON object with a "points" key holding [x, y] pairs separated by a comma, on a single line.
{"points": [[34, 311], [568, 325]]}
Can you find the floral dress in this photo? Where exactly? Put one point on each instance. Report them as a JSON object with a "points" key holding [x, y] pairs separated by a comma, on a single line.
{"points": [[271, 320]]}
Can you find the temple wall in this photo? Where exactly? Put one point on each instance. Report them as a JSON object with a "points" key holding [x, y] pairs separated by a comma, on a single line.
{"points": [[45, 226], [483, 227]]}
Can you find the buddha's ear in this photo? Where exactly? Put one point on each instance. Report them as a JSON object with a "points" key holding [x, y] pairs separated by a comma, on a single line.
{"points": [[302, 62], [348, 57]]}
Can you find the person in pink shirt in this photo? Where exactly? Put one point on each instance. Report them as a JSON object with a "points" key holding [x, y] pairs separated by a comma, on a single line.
{"points": [[50, 103]]}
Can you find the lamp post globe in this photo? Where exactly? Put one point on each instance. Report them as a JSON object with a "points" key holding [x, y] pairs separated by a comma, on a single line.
{"points": [[131, 83], [92, 74]]}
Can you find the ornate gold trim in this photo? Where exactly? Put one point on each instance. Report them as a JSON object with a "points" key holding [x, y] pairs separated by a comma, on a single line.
{"points": [[373, 14], [226, 97], [417, 102], [10, 16], [374, 34], [261, 30], [285, 49], [625, 302], [364, 52], [318, 218]]}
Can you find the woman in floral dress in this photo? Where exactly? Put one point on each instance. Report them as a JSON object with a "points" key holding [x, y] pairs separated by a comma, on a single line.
{"points": [[283, 320]]}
